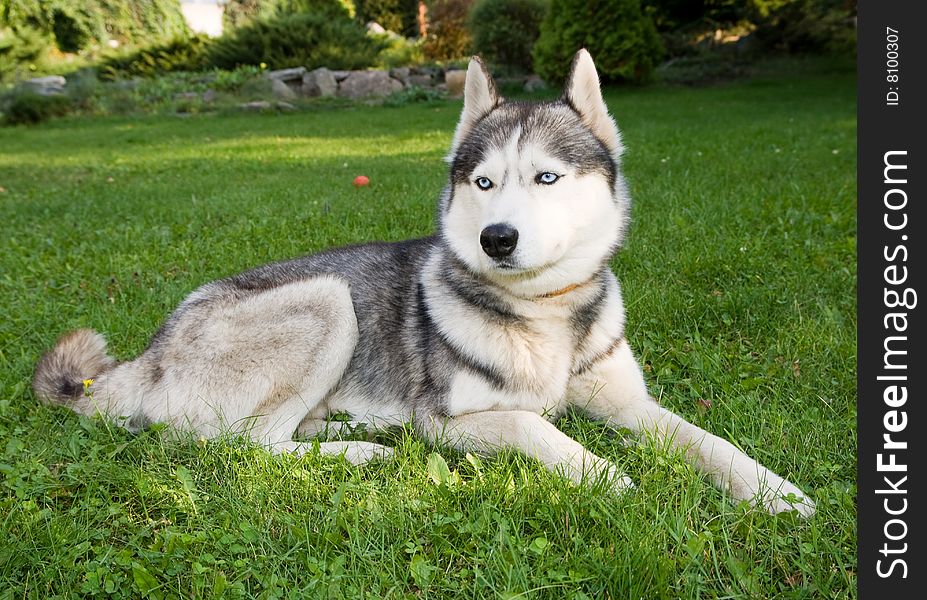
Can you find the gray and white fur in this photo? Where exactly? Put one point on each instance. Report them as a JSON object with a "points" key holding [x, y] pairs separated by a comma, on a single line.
{"points": [[480, 335]]}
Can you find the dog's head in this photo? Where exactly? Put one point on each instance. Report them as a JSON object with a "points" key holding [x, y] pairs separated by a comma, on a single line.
{"points": [[536, 201]]}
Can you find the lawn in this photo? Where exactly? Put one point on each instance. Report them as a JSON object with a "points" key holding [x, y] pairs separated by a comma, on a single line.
{"points": [[740, 282]]}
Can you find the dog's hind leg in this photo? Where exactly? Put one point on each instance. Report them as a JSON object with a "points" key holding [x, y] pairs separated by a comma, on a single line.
{"points": [[243, 360], [527, 432], [312, 427], [613, 389], [355, 452]]}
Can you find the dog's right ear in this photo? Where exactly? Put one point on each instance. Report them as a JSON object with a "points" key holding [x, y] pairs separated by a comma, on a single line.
{"points": [[584, 94], [480, 97]]}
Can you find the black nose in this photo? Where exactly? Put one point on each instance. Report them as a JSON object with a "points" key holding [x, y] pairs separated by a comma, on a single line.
{"points": [[499, 240]]}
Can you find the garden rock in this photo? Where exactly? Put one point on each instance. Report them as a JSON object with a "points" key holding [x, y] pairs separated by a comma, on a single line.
{"points": [[51, 85], [436, 74], [419, 81], [401, 73], [340, 75], [286, 75], [281, 90], [319, 83], [455, 82], [364, 84], [291, 78]]}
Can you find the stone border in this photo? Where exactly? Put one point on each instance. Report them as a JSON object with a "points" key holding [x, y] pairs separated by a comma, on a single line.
{"points": [[298, 82]]}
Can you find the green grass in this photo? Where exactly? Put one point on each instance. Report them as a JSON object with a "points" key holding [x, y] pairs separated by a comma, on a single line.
{"points": [[739, 278]]}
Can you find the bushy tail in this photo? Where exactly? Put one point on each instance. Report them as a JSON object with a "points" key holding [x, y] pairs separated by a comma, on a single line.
{"points": [[60, 374]]}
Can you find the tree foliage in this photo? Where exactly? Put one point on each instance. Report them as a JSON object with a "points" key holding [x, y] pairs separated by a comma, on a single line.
{"points": [[303, 39], [620, 36], [504, 31], [75, 26], [238, 13], [178, 54], [785, 25], [400, 16], [20, 50], [448, 35]]}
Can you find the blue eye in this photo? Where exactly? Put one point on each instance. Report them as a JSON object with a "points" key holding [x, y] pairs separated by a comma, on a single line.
{"points": [[483, 183], [547, 178]]}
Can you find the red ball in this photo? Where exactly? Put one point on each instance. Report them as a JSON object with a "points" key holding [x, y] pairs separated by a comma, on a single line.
{"points": [[361, 181]]}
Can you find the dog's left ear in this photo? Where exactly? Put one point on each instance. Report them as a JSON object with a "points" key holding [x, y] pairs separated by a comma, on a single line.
{"points": [[584, 93], [480, 97]]}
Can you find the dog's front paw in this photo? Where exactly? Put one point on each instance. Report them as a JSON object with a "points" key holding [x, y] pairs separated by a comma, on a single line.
{"points": [[785, 497], [597, 473], [612, 478], [773, 494], [622, 484]]}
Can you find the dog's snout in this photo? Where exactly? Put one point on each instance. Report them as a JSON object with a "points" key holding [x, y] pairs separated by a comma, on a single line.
{"points": [[499, 240]]}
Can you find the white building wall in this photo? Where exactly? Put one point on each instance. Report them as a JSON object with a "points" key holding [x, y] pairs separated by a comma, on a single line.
{"points": [[203, 16]]}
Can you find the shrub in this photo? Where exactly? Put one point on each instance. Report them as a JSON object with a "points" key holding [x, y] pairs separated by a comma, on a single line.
{"points": [[780, 25], [621, 38], [400, 16], [671, 15], [232, 81], [239, 13], [308, 39], [413, 95], [27, 108], [21, 49], [504, 31], [399, 51], [77, 25], [179, 54], [73, 33], [448, 36], [809, 26]]}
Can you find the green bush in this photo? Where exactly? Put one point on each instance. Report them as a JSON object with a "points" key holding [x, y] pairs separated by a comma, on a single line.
{"points": [[241, 12], [448, 36], [78, 25], [73, 33], [308, 39], [622, 39], [809, 26], [21, 50], [504, 31], [672, 15], [179, 54], [84, 90], [399, 16], [780, 25], [398, 51], [413, 95], [27, 108]]}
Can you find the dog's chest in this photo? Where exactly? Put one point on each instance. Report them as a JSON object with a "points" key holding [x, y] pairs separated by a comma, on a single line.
{"points": [[538, 357], [526, 368]]}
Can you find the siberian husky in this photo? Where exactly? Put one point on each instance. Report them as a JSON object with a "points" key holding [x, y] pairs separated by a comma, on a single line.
{"points": [[480, 335]]}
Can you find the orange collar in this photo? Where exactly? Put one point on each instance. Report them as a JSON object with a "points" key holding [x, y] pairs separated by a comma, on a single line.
{"points": [[561, 291]]}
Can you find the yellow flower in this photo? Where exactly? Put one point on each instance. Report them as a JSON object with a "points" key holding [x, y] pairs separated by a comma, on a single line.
{"points": [[88, 383]]}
